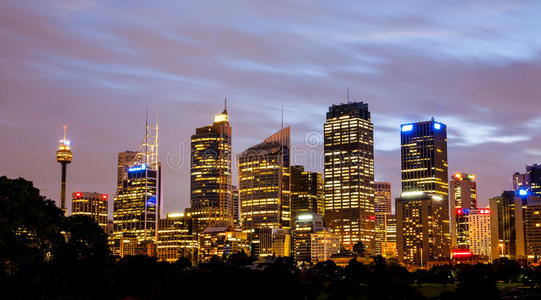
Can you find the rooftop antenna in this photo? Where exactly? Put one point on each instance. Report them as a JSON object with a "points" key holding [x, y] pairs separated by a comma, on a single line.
{"points": [[225, 105], [348, 94]]}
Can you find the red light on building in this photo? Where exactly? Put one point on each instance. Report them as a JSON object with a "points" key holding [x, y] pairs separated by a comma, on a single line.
{"points": [[458, 176], [372, 218], [104, 196], [484, 211], [459, 211], [461, 253], [78, 194]]}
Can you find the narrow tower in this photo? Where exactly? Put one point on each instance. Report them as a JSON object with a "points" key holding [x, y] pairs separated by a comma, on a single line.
{"points": [[63, 156]]}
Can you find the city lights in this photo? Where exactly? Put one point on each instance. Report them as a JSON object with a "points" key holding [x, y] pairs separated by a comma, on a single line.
{"points": [[408, 127]]}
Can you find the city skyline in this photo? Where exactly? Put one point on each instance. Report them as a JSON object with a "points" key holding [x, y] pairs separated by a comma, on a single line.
{"points": [[490, 111]]}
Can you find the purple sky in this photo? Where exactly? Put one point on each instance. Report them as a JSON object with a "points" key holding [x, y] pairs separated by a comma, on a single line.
{"points": [[96, 65]]}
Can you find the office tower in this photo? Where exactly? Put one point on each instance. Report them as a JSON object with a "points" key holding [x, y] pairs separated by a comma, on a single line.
{"points": [[236, 207], [506, 226], [323, 244], [419, 229], [210, 188], [124, 160], [175, 238], [424, 169], [531, 212], [530, 181], [264, 193], [463, 197], [382, 205], [222, 241], [349, 174], [479, 232], [307, 192], [94, 205], [305, 225], [137, 203], [63, 156]]}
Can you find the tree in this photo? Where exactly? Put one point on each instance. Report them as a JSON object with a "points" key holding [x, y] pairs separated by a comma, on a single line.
{"points": [[358, 248]]}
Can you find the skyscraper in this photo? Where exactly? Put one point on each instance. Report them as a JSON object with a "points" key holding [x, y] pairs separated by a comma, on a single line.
{"points": [[531, 206], [175, 238], [305, 225], [479, 232], [210, 188], [463, 197], [137, 203], [93, 205], [63, 156], [124, 160], [349, 174], [382, 196], [307, 192], [424, 204], [506, 226], [264, 192]]}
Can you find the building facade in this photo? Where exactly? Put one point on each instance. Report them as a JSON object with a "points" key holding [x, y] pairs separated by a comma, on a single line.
{"points": [[382, 206], [324, 244], [463, 196], [530, 180], [307, 192], [176, 239], [349, 174], [211, 195], [264, 186], [222, 241], [506, 226], [479, 232], [305, 225], [94, 205], [532, 226], [420, 227]]}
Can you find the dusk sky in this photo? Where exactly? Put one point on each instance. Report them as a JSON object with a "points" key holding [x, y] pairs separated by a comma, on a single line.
{"points": [[96, 65]]}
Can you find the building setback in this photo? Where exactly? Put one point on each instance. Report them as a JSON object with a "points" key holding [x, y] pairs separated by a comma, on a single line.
{"points": [[349, 174]]}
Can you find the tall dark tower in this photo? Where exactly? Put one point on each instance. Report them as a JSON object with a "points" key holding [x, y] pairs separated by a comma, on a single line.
{"points": [[349, 174], [423, 208], [63, 156]]}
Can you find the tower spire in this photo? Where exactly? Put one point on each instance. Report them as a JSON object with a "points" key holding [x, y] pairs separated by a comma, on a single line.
{"points": [[225, 106]]}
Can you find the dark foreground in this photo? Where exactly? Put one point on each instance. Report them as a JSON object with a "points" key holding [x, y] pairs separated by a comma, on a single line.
{"points": [[45, 255]]}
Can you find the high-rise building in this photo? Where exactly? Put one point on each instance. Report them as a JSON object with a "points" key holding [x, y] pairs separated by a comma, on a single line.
{"points": [[420, 227], [349, 174], [264, 180], [530, 181], [307, 192], [211, 189], [264, 173], [137, 203], [305, 225], [479, 231], [424, 170], [388, 244], [323, 245], [93, 205], [506, 226], [531, 213], [63, 156], [382, 205], [175, 238], [463, 197]]}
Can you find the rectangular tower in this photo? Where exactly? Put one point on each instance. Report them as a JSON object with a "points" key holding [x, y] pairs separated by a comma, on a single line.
{"points": [[506, 226], [307, 192], [463, 197], [93, 205], [349, 174], [382, 196], [210, 188], [424, 169], [479, 232]]}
